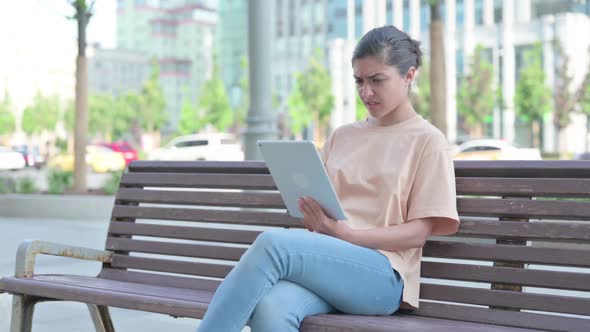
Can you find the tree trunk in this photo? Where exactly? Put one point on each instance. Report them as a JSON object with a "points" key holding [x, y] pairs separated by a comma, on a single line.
{"points": [[438, 103], [535, 138], [81, 119]]}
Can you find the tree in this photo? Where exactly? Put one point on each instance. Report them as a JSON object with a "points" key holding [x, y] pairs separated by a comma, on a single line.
{"points": [[191, 120], [7, 121], [242, 110], [311, 100], [532, 96], [585, 108], [152, 102], [438, 88], [214, 103], [477, 97], [83, 13], [420, 94], [42, 115]]}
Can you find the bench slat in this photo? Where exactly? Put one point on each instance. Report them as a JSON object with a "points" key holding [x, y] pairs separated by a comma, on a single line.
{"points": [[508, 299], [525, 277], [523, 168], [281, 219], [165, 265], [181, 180], [174, 307], [160, 279], [184, 233], [227, 167], [514, 208], [527, 187], [507, 253], [176, 249], [224, 199], [551, 231], [502, 317]]}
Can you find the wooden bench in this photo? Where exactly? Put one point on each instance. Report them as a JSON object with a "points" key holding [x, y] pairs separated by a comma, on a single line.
{"points": [[520, 261]]}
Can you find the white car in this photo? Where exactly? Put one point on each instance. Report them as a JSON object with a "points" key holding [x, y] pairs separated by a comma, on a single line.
{"points": [[10, 159], [222, 147], [493, 149]]}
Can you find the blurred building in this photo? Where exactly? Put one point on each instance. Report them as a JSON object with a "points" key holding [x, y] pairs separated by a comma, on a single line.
{"points": [[114, 72], [232, 46], [179, 35]]}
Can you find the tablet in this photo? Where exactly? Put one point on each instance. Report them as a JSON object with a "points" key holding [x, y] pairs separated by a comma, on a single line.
{"points": [[297, 170]]}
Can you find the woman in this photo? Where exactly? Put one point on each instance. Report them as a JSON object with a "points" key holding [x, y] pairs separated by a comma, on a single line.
{"points": [[395, 179]]}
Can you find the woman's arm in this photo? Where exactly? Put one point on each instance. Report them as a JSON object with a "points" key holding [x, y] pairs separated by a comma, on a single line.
{"points": [[412, 234]]}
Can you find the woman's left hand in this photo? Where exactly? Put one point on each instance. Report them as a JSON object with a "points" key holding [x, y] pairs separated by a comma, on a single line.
{"points": [[315, 218]]}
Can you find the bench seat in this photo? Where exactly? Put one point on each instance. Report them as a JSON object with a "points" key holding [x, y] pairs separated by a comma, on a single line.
{"points": [[193, 303]]}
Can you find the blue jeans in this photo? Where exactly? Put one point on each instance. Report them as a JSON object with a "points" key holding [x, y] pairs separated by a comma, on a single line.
{"points": [[287, 275]]}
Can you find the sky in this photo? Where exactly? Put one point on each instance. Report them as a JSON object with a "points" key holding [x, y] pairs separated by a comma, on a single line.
{"points": [[49, 17], [38, 48]]}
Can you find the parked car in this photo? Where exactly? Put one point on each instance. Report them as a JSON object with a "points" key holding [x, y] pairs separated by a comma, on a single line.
{"points": [[99, 158], [11, 160], [128, 153], [200, 147], [31, 155], [493, 149]]}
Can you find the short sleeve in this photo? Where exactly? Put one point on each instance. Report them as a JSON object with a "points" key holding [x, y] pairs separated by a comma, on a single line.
{"points": [[327, 147], [433, 192]]}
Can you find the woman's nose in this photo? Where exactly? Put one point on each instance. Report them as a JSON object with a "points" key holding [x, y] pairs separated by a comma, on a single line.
{"points": [[366, 90]]}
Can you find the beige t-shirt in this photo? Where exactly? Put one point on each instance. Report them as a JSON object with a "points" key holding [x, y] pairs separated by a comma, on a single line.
{"points": [[386, 176]]}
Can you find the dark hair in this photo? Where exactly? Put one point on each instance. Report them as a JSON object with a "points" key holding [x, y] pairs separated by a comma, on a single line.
{"points": [[392, 45]]}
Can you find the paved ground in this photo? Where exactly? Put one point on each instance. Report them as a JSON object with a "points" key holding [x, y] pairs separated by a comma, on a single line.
{"points": [[71, 317]]}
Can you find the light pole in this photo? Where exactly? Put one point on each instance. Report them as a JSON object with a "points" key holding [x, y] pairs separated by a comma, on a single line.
{"points": [[260, 123]]}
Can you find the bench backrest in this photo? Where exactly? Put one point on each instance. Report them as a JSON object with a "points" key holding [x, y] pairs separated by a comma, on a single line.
{"points": [[521, 257]]}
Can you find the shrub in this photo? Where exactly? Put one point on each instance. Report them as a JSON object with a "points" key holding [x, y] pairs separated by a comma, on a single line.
{"points": [[25, 185], [112, 184], [59, 181]]}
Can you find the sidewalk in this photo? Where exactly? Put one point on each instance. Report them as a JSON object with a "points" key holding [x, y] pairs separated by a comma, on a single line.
{"points": [[69, 316]]}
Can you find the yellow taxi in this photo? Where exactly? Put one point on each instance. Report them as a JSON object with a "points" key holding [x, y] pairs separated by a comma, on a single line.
{"points": [[99, 158]]}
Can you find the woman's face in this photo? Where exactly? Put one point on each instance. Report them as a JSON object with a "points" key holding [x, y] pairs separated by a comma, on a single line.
{"points": [[380, 86]]}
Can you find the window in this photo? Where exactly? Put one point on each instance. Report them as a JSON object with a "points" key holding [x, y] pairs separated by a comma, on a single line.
{"points": [[186, 144]]}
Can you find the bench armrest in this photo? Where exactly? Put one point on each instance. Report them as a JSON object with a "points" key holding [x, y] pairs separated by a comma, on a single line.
{"points": [[29, 249]]}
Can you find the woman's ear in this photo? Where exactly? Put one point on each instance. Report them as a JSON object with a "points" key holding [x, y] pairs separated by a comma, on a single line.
{"points": [[410, 75]]}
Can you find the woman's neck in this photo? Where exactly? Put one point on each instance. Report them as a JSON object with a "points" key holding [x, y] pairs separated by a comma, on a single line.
{"points": [[403, 112]]}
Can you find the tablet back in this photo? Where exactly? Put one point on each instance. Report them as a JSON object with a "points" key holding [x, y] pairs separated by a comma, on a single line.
{"points": [[297, 170]]}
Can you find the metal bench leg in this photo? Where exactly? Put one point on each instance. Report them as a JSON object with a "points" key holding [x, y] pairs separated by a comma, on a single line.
{"points": [[101, 318], [23, 307]]}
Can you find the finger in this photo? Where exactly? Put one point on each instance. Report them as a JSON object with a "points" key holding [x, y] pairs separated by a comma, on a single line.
{"points": [[314, 208]]}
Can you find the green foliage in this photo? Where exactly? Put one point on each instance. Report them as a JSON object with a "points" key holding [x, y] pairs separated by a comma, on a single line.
{"points": [[420, 93], [6, 185], [191, 120], [59, 181], [477, 97], [43, 114], [7, 120], [585, 103], [25, 185], [361, 110], [152, 102], [242, 110], [214, 103], [532, 98], [311, 98], [111, 186]]}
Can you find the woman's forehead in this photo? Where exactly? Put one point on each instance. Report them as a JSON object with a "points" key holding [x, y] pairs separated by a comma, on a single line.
{"points": [[370, 66]]}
